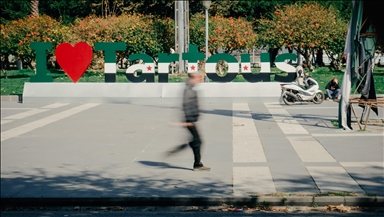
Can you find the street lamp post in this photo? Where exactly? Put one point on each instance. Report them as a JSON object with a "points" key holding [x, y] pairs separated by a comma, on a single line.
{"points": [[206, 4]]}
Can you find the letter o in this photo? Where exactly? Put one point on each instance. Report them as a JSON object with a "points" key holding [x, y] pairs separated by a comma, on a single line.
{"points": [[233, 67]]}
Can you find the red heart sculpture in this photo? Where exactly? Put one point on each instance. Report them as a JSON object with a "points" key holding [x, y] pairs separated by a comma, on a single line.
{"points": [[74, 60]]}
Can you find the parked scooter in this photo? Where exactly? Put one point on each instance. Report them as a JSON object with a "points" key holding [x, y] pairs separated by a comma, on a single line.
{"points": [[306, 92]]}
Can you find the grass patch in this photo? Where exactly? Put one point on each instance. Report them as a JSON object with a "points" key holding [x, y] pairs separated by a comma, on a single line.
{"points": [[340, 194], [323, 75], [263, 205], [335, 123], [14, 83]]}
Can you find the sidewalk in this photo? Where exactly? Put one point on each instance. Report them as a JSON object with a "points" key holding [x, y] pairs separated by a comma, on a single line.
{"points": [[67, 154]]}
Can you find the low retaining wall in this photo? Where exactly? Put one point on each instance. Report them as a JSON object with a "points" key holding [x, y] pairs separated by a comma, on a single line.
{"points": [[147, 92]]}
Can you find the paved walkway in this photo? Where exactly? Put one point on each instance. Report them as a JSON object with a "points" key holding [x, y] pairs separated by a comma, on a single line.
{"points": [[117, 150]]}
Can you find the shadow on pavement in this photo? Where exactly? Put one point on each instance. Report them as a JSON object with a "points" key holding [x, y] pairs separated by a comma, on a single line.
{"points": [[74, 187], [162, 165], [70, 183]]}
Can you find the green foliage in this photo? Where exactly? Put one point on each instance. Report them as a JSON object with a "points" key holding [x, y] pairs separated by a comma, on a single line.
{"points": [[263, 206], [228, 33], [303, 28], [142, 34], [249, 9], [66, 10], [17, 35], [153, 7], [231, 27], [335, 123], [335, 42], [11, 10]]}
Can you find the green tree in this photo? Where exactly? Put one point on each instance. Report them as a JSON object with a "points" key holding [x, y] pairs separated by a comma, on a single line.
{"points": [[17, 35], [227, 33], [303, 28], [344, 7], [335, 42], [66, 11], [141, 33], [14, 11]]}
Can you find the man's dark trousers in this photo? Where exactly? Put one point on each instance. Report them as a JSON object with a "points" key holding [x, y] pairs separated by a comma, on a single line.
{"points": [[195, 144]]}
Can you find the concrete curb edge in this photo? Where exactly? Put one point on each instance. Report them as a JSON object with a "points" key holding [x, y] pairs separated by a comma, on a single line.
{"points": [[364, 201]]}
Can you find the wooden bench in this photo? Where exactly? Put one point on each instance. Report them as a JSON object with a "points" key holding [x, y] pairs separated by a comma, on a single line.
{"points": [[368, 103]]}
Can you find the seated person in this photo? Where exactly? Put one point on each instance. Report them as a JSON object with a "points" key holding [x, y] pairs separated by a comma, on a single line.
{"points": [[333, 89]]}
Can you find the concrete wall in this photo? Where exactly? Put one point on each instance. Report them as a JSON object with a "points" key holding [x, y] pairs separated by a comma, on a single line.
{"points": [[146, 92]]}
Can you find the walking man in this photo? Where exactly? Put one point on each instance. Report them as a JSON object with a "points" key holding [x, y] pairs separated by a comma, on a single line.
{"points": [[191, 115]]}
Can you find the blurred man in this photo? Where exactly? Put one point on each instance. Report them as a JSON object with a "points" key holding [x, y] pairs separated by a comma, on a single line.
{"points": [[191, 115]]}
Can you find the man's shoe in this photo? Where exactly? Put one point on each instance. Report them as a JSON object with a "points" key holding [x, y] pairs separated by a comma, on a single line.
{"points": [[201, 168]]}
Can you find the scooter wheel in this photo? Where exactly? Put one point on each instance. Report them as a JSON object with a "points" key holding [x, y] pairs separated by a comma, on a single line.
{"points": [[287, 99], [319, 98]]}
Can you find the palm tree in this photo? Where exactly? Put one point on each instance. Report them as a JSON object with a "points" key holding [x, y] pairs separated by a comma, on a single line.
{"points": [[34, 8]]}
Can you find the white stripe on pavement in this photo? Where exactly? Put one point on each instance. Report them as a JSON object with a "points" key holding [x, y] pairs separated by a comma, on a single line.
{"points": [[25, 114], [272, 105], [309, 149], [55, 105], [252, 180], [333, 179], [5, 121], [33, 111], [16, 108], [44, 121], [284, 120], [247, 146], [362, 164], [310, 107], [347, 134]]}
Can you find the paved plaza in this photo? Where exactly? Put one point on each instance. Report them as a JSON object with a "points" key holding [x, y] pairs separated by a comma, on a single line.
{"points": [[117, 150]]}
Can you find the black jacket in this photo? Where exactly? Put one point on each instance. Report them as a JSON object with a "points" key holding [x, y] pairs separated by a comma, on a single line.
{"points": [[190, 103], [330, 84]]}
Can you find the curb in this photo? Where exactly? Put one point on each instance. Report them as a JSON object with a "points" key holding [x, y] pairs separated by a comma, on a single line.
{"points": [[12, 98], [364, 201]]}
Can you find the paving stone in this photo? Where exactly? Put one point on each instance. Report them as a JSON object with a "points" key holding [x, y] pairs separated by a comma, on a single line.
{"points": [[298, 200], [117, 150], [360, 201], [329, 200], [269, 200]]}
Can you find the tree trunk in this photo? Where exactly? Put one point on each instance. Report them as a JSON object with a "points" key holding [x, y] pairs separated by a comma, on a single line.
{"points": [[308, 60], [319, 58], [34, 8], [272, 55]]}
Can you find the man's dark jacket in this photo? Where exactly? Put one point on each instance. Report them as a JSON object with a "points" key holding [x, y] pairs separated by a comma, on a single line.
{"points": [[331, 84], [190, 103]]}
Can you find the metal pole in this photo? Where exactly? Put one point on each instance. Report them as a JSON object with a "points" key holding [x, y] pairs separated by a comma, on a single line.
{"points": [[176, 26], [253, 51], [206, 34], [181, 18], [186, 26]]}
